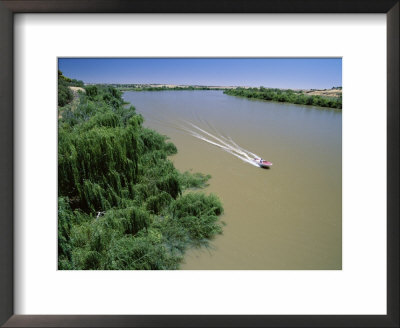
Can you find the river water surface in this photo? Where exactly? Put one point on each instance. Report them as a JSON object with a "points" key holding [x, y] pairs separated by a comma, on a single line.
{"points": [[286, 217]]}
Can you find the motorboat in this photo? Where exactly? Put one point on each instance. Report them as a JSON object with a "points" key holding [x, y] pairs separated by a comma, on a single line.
{"points": [[262, 163]]}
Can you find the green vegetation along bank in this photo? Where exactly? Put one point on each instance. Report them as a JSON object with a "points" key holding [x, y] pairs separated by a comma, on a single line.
{"points": [[65, 94], [287, 96], [121, 201]]}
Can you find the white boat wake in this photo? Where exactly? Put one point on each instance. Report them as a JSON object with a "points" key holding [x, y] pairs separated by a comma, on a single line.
{"points": [[226, 144]]}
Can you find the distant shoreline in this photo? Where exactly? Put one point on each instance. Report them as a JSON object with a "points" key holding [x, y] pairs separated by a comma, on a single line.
{"points": [[313, 98], [327, 98], [332, 93]]}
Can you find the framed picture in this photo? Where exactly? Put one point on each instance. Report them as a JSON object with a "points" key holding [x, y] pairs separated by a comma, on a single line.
{"points": [[301, 245]]}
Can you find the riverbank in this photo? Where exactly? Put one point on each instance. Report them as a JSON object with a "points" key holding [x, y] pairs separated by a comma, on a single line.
{"points": [[298, 97], [331, 98], [121, 203]]}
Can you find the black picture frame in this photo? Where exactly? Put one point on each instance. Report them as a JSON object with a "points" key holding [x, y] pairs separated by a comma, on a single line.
{"points": [[10, 7]]}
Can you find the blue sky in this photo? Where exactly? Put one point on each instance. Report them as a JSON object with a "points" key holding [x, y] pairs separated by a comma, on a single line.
{"points": [[295, 73]]}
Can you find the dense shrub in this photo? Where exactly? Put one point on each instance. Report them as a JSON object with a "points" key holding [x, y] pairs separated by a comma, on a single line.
{"points": [[120, 197], [65, 94]]}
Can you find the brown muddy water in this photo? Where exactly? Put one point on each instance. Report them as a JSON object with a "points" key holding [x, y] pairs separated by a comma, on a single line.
{"points": [[286, 217]]}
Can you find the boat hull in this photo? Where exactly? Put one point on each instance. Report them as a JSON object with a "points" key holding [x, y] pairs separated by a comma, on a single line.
{"points": [[263, 164]]}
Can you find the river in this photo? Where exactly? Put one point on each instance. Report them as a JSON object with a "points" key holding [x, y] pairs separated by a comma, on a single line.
{"points": [[288, 217]]}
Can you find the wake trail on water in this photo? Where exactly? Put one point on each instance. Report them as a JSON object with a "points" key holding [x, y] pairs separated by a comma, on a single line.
{"points": [[224, 143]]}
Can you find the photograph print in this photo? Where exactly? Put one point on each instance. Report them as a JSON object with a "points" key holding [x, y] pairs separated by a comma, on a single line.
{"points": [[199, 163]]}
